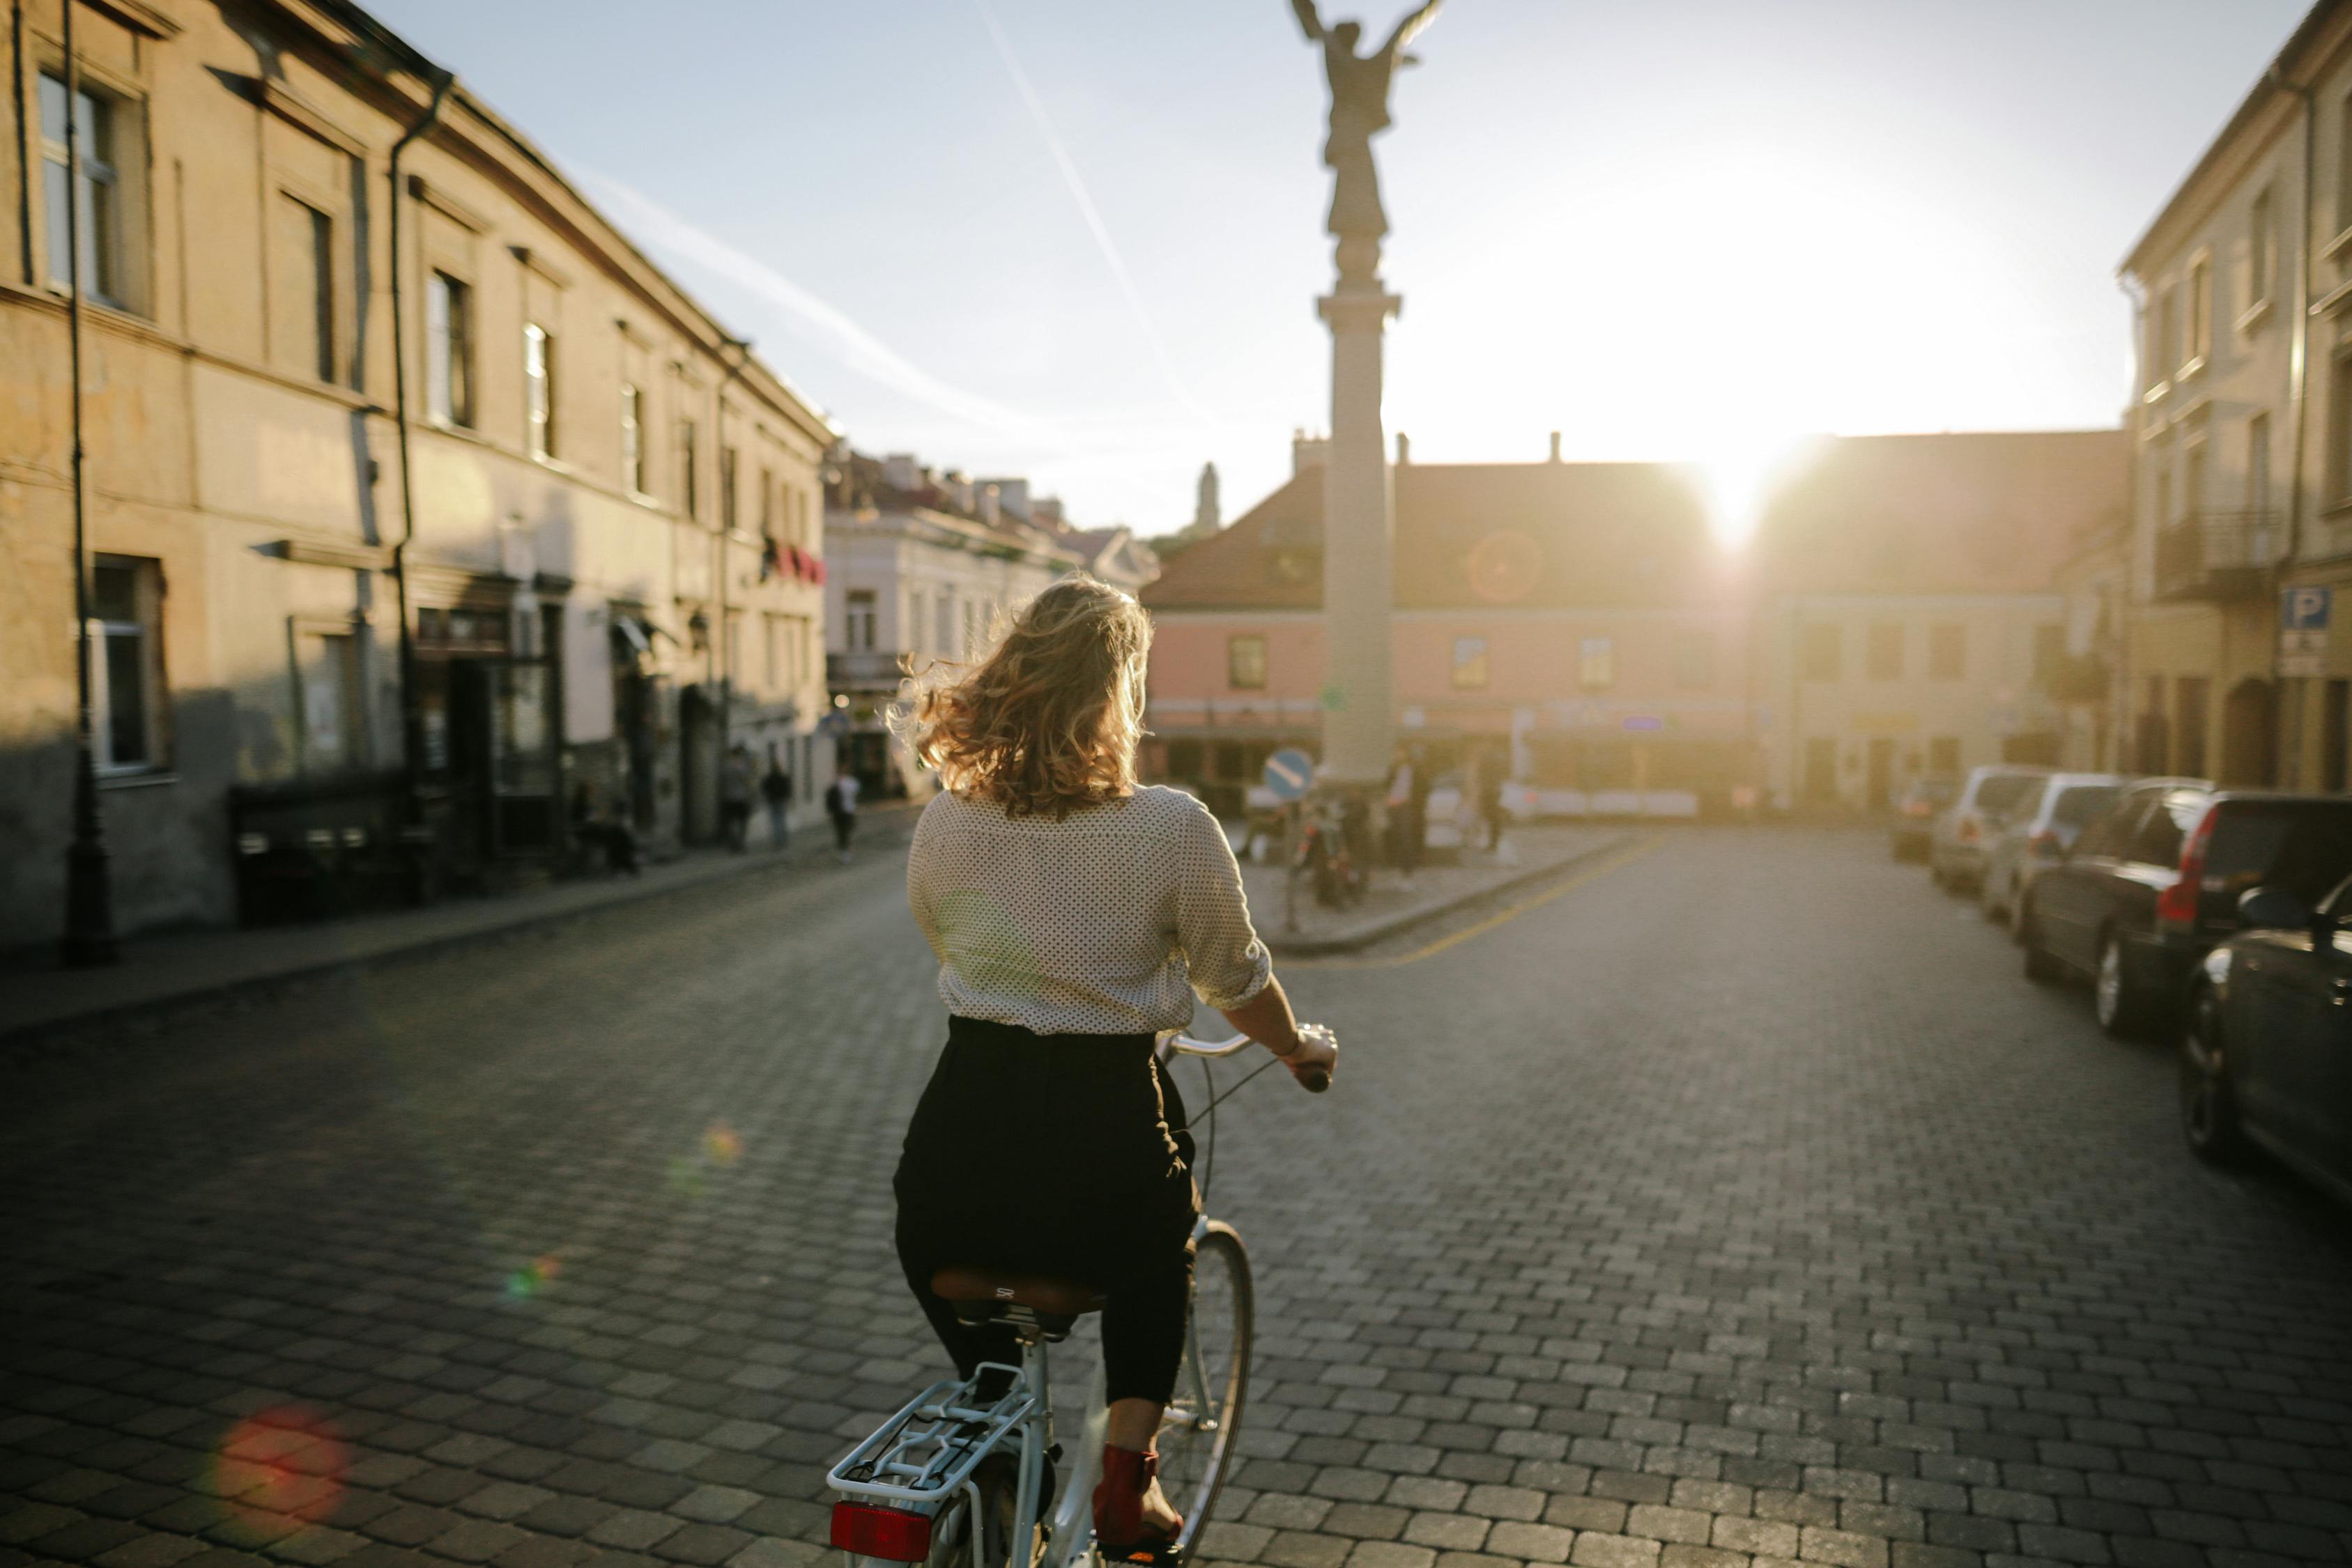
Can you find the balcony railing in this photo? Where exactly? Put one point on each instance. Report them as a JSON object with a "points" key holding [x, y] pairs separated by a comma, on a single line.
{"points": [[865, 668], [2218, 555]]}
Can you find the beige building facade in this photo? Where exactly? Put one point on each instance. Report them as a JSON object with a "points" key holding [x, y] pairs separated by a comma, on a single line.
{"points": [[358, 361], [2236, 664]]}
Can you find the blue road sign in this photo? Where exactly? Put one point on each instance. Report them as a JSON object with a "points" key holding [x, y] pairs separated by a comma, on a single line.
{"points": [[1288, 772], [2304, 609]]}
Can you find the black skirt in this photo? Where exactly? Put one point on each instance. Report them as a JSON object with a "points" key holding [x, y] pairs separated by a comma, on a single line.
{"points": [[1061, 1154]]}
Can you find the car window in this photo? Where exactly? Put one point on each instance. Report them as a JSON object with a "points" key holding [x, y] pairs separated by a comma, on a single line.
{"points": [[2080, 805], [2157, 836], [2109, 833], [2305, 847], [2002, 793]]}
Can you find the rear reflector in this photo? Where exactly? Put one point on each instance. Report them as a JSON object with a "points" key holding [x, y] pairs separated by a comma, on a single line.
{"points": [[865, 1530]]}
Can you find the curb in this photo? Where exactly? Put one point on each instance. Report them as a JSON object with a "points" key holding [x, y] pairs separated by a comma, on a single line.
{"points": [[1362, 937], [893, 822]]}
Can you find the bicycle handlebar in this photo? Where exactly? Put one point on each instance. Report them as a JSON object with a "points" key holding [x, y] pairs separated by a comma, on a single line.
{"points": [[1184, 1044]]}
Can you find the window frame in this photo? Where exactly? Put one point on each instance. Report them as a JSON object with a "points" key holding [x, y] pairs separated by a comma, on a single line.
{"points": [[2261, 253], [689, 467], [1596, 663], [861, 609], [633, 437], [106, 249], [2197, 345], [147, 627], [1472, 668], [1241, 648], [539, 413], [449, 350]]}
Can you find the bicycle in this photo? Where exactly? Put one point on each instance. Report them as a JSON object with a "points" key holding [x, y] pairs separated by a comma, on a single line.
{"points": [[931, 1484]]}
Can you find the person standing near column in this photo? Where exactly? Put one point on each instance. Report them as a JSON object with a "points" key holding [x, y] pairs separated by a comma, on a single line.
{"points": [[776, 790], [735, 796], [841, 804]]}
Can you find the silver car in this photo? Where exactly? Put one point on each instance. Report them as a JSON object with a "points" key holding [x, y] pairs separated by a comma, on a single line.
{"points": [[1988, 797], [2041, 832]]}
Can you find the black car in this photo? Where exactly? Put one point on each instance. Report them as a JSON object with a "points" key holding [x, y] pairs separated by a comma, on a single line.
{"points": [[2267, 1053], [2151, 885]]}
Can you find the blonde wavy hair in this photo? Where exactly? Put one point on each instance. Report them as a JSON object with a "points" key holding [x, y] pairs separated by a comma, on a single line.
{"points": [[1048, 721]]}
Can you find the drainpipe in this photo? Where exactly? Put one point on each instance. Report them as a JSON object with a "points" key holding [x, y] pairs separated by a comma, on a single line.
{"points": [[2119, 705], [411, 728], [729, 504], [90, 889], [2299, 369]]}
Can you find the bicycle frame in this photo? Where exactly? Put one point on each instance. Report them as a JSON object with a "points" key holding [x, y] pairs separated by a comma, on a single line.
{"points": [[925, 1456]]}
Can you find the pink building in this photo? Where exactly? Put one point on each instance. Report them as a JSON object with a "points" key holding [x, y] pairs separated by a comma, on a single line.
{"points": [[1576, 619]]}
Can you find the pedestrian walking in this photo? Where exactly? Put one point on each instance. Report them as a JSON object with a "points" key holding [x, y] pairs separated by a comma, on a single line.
{"points": [[1490, 798], [776, 790], [841, 804], [1408, 805], [735, 796]]}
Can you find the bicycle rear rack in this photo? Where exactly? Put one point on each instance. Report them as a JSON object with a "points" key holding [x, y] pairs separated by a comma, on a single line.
{"points": [[929, 1449]]}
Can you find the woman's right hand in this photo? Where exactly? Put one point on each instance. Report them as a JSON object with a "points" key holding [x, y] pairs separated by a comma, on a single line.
{"points": [[1317, 1057]]}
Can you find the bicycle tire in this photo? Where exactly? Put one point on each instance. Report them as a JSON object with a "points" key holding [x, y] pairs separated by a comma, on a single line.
{"points": [[1217, 1330]]}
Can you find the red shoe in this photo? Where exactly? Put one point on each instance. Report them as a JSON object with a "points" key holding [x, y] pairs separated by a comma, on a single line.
{"points": [[1121, 1534]]}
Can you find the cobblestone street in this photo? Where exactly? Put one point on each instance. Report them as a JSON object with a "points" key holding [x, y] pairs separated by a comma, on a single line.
{"points": [[1739, 1202]]}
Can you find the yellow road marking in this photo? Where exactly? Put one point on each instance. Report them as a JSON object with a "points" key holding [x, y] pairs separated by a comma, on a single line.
{"points": [[1615, 860]]}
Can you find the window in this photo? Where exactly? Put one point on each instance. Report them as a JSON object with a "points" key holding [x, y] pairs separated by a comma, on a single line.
{"points": [[727, 488], [689, 466], [1817, 651], [2189, 724], [1470, 663], [915, 625], [1944, 754], [328, 681], [633, 439], [308, 311], [859, 625], [2164, 497], [449, 351], [2201, 313], [1884, 653], [1947, 652], [2343, 167], [768, 502], [1596, 663], [2049, 654], [2192, 482], [943, 638], [970, 636], [770, 634], [538, 390], [2258, 467], [2167, 335], [126, 663], [100, 194], [2157, 838], [2262, 249], [1245, 662], [1695, 661]]}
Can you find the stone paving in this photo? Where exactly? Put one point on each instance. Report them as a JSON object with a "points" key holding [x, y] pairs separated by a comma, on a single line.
{"points": [[1394, 903], [1738, 1206]]}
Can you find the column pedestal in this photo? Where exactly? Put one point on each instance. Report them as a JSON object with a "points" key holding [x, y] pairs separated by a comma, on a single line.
{"points": [[1358, 545]]}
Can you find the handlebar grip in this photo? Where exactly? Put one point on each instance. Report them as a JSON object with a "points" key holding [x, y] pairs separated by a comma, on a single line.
{"points": [[1316, 1082]]}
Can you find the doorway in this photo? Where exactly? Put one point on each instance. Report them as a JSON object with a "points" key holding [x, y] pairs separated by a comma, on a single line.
{"points": [[1821, 771], [2249, 733], [1880, 782]]}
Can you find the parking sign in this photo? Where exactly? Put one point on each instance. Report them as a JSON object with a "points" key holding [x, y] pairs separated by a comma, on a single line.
{"points": [[2303, 630]]}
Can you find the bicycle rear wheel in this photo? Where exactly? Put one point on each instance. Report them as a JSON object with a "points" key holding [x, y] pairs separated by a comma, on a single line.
{"points": [[1197, 1434]]}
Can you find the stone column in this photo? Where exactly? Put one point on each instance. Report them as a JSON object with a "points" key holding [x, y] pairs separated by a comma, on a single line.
{"points": [[1359, 551]]}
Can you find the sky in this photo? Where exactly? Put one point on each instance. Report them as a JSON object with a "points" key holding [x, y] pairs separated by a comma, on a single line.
{"points": [[1081, 240]]}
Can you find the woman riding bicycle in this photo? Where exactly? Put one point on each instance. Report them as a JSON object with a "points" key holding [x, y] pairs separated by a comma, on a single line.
{"points": [[1074, 915]]}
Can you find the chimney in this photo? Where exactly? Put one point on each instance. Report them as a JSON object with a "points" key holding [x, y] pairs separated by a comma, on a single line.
{"points": [[1405, 449], [1012, 495], [1308, 451], [1555, 446], [989, 509], [958, 489], [1045, 512], [899, 472]]}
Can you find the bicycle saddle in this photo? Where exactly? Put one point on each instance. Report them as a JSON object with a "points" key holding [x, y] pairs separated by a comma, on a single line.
{"points": [[981, 1295]]}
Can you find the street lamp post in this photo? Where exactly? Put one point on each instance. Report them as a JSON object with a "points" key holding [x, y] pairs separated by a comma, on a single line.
{"points": [[90, 893]]}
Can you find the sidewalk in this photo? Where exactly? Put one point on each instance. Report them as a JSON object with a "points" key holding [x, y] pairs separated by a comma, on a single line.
{"points": [[1392, 905], [173, 969]]}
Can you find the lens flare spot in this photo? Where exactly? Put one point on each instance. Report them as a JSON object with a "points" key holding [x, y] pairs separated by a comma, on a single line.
{"points": [[721, 1145], [278, 1468], [533, 1276], [1504, 566]]}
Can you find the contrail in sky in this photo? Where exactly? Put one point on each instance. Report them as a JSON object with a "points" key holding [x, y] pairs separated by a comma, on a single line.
{"points": [[856, 347], [1086, 208]]}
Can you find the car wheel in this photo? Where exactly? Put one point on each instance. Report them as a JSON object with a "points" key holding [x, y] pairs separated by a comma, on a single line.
{"points": [[2120, 1005], [2208, 1107], [2040, 966], [2016, 918]]}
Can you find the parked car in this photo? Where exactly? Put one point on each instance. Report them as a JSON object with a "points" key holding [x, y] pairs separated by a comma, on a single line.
{"points": [[2268, 1037], [1914, 815], [2153, 884], [1956, 850], [2041, 832]]}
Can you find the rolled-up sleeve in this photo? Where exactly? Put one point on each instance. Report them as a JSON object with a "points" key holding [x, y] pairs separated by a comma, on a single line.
{"points": [[1223, 958]]}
